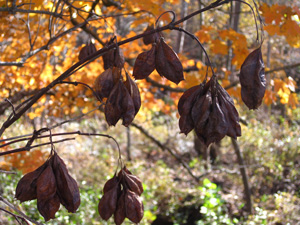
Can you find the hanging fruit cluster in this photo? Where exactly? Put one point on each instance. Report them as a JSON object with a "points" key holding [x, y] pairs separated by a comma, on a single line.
{"points": [[52, 185], [123, 97], [160, 57], [121, 198], [209, 110]]}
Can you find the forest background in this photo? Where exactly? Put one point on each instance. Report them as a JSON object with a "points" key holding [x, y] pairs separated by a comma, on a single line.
{"points": [[254, 180]]}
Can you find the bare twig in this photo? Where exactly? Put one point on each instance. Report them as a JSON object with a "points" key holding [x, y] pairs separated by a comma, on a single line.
{"points": [[15, 216], [243, 171], [19, 211], [164, 147]]}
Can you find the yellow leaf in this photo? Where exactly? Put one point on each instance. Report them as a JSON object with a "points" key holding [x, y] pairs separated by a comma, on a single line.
{"points": [[219, 47]]}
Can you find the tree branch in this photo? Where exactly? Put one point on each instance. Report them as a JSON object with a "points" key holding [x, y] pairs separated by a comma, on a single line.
{"points": [[243, 171], [164, 147]]}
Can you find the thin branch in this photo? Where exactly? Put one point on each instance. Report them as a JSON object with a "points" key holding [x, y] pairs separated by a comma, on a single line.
{"points": [[23, 149], [19, 211], [164, 147], [283, 68], [15, 216], [249, 205], [165, 87], [14, 10]]}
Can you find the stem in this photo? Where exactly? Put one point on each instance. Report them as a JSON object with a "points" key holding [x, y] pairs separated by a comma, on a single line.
{"points": [[243, 171]]}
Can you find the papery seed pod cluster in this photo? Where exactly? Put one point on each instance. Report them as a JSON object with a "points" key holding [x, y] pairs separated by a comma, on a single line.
{"points": [[121, 198], [160, 57], [123, 97], [252, 79], [209, 110], [52, 185]]}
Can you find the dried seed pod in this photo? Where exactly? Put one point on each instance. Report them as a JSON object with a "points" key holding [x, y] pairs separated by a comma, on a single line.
{"points": [[252, 79], [119, 58], [133, 183], [114, 104], [133, 206], [185, 104], [108, 203], [106, 81], [217, 125], [87, 50], [230, 112], [128, 107], [114, 57], [120, 213], [26, 188], [67, 188], [201, 111], [144, 64], [134, 92], [47, 199], [187, 99], [167, 62], [149, 39], [111, 183]]}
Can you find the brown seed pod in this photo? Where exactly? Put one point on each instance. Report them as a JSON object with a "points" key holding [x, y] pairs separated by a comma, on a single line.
{"points": [[167, 62], [114, 57], [144, 64], [230, 112], [128, 107], [133, 206], [114, 104], [67, 188], [252, 79], [111, 183], [134, 92], [149, 39], [217, 126], [26, 188], [201, 111], [47, 199], [185, 105], [108, 203], [87, 50], [120, 213], [106, 81]]}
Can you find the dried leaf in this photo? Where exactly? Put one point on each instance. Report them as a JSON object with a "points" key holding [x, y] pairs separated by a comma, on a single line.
{"points": [[144, 64], [167, 63], [67, 188], [252, 78]]}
